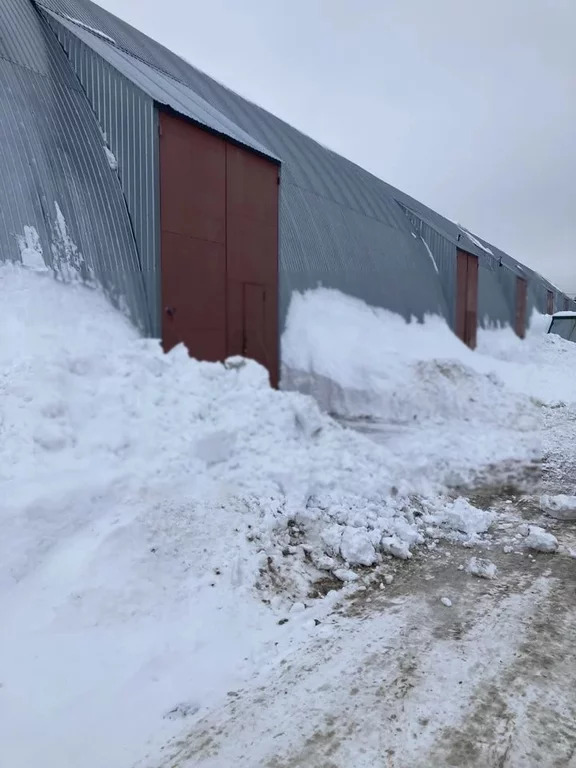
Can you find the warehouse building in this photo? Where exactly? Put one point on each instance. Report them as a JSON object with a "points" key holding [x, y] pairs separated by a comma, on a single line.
{"points": [[200, 213]]}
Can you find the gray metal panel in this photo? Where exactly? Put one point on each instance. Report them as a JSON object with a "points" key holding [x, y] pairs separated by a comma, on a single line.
{"points": [[161, 87], [444, 255], [51, 157], [22, 42], [329, 245], [128, 118]]}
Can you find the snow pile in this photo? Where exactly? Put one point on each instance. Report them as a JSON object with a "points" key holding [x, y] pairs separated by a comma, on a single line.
{"points": [[540, 540], [150, 503], [541, 366], [361, 361]]}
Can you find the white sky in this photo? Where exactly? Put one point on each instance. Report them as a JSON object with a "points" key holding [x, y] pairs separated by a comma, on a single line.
{"points": [[469, 106]]}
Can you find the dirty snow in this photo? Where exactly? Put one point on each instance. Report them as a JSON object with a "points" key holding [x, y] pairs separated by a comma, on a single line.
{"points": [[481, 567]]}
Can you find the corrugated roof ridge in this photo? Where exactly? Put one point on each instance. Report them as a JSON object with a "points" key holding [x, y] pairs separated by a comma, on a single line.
{"points": [[113, 43]]}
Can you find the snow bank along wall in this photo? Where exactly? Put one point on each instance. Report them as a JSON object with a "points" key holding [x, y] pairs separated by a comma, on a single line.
{"points": [[201, 213]]}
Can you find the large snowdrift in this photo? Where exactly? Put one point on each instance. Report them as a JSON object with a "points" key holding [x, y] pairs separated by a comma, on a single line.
{"points": [[150, 502], [362, 361]]}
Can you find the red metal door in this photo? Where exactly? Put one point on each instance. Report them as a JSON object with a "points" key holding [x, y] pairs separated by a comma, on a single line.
{"points": [[521, 301], [549, 303], [193, 238], [254, 330], [252, 257], [467, 297], [219, 244]]}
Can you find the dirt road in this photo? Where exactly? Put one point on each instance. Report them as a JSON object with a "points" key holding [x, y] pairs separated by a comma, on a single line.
{"points": [[436, 668]]}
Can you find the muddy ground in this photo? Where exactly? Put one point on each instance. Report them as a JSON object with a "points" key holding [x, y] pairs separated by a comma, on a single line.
{"points": [[397, 678]]}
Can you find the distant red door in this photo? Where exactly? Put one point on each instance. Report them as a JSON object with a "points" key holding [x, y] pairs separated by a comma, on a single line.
{"points": [[549, 303], [521, 301], [467, 298]]}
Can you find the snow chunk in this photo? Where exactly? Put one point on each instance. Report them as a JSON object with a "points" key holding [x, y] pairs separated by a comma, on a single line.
{"points": [[356, 547], [479, 566], [561, 507], [392, 545], [446, 601], [541, 540], [462, 516], [344, 574]]}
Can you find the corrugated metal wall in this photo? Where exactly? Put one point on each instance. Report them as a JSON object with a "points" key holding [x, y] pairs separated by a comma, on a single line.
{"points": [[443, 253], [128, 118], [52, 157], [324, 244], [376, 259], [375, 255]]}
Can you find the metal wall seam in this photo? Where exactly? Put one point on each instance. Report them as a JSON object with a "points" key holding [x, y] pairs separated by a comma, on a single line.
{"points": [[125, 115]]}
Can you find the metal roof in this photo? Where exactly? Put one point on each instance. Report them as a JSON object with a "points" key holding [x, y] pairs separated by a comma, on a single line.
{"points": [[160, 86], [307, 163]]}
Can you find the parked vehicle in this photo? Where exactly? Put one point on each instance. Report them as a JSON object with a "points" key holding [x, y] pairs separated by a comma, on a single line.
{"points": [[564, 325]]}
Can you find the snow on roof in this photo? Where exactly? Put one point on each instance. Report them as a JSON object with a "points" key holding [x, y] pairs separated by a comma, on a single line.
{"points": [[566, 313], [89, 28], [475, 240]]}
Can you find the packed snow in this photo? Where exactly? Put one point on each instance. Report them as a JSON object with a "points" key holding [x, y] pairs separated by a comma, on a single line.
{"points": [[165, 520]]}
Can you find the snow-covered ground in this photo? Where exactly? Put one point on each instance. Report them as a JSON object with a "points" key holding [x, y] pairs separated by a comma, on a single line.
{"points": [[176, 534]]}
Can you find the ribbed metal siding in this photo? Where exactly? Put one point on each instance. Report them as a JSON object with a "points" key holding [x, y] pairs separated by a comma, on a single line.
{"points": [[51, 154], [160, 87], [326, 244], [22, 41], [444, 253], [306, 163], [494, 306], [128, 118]]}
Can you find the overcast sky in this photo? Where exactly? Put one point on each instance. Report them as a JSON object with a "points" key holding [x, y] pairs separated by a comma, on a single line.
{"points": [[467, 105]]}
